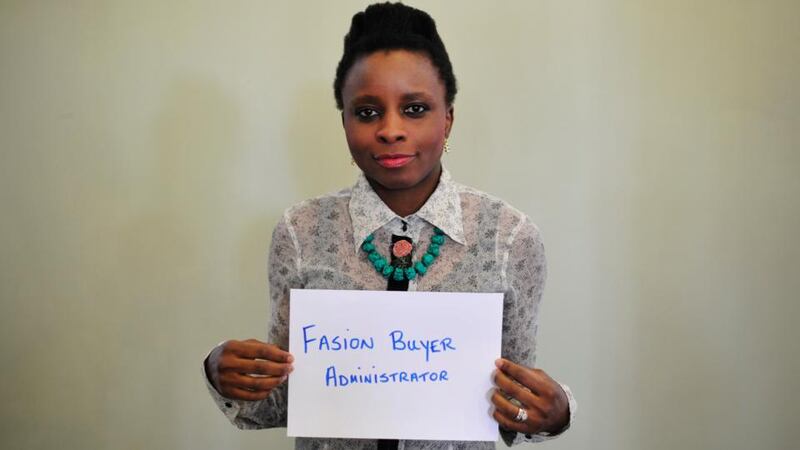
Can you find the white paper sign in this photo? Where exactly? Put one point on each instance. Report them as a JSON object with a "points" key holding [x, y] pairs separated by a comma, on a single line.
{"points": [[395, 365]]}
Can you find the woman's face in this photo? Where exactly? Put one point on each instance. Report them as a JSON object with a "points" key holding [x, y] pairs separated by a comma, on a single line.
{"points": [[395, 117]]}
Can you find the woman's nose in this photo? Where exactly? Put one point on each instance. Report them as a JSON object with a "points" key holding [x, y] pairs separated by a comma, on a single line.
{"points": [[391, 129]]}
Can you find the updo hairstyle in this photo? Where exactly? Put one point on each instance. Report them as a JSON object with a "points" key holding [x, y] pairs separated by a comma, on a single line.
{"points": [[394, 26]]}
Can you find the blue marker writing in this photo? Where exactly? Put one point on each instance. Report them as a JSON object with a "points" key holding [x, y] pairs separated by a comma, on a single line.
{"points": [[412, 345], [336, 343], [306, 340]]}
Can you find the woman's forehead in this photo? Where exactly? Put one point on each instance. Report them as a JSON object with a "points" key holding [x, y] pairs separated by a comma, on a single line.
{"points": [[393, 73]]}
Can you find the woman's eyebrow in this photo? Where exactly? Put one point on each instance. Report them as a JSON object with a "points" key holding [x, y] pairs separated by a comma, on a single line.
{"points": [[366, 99], [415, 96], [376, 100]]}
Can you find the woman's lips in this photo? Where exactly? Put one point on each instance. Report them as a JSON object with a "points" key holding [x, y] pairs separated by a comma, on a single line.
{"points": [[394, 160]]}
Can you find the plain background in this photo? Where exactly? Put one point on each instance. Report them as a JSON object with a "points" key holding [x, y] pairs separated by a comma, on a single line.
{"points": [[149, 147]]}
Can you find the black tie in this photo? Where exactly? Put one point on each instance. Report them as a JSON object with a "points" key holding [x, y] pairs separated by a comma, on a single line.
{"points": [[394, 285], [403, 262]]}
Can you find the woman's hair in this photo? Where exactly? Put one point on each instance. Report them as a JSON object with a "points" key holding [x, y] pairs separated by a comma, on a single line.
{"points": [[394, 26]]}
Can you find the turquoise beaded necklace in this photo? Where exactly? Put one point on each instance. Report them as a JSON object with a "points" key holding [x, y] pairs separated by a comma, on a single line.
{"points": [[384, 268]]}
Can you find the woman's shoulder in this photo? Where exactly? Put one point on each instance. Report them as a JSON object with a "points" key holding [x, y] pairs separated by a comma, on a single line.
{"points": [[327, 210], [480, 204], [485, 198]]}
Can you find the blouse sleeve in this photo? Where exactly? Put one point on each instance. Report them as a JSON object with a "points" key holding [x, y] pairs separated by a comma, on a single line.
{"points": [[524, 272], [284, 275]]}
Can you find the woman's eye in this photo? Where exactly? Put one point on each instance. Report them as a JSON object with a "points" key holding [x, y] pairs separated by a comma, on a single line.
{"points": [[416, 109], [366, 113]]}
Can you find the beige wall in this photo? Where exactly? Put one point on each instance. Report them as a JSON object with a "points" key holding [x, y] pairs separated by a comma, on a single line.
{"points": [[149, 147]]}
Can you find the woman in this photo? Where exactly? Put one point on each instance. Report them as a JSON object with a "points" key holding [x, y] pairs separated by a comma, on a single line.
{"points": [[395, 87]]}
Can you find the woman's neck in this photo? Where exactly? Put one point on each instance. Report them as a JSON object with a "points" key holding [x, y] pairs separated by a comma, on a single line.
{"points": [[405, 202]]}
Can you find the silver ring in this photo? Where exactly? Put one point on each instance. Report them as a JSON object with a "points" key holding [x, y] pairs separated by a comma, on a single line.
{"points": [[522, 416]]}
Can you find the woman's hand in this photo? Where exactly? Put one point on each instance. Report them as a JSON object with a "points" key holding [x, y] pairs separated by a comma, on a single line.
{"points": [[247, 370], [542, 399]]}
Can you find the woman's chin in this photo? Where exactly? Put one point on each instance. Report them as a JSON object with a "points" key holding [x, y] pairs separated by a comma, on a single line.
{"points": [[400, 179], [395, 180]]}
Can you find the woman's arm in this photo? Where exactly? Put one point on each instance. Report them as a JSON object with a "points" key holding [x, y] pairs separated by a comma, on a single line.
{"points": [[550, 407], [259, 402]]}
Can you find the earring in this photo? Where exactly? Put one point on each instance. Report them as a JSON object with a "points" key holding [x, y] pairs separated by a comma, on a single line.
{"points": [[446, 146]]}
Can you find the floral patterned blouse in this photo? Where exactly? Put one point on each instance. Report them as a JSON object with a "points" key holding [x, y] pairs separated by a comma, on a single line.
{"points": [[490, 247]]}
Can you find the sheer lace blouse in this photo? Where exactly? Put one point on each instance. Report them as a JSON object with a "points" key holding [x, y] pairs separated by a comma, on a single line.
{"points": [[490, 247]]}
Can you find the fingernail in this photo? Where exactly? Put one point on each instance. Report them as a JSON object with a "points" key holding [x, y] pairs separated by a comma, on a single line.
{"points": [[499, 363], [283, 378], [290, 359], [291, 368]]}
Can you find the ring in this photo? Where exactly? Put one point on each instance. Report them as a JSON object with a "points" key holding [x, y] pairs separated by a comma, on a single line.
{"points": [[522, 416]]}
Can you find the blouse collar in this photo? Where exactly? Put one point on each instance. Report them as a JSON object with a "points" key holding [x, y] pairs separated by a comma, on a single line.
{"points": [[368, 213]]}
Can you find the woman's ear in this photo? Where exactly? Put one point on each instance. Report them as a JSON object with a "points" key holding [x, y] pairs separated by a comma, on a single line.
{"points": [[448, 120]]}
